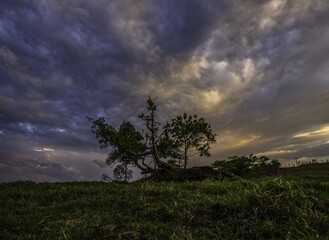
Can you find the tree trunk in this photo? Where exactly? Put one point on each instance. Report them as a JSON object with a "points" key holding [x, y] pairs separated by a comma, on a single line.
{"points": [[185, 158], [156, 158], [159, 163], [126, 172]]}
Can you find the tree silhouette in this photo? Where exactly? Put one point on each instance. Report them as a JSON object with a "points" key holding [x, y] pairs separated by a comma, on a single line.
{"points": [[122, 172], [154, 148], [191, 136], [248, 166]]}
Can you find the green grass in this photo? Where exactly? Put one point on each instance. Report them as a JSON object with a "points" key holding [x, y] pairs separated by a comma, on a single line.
{"points": [[270, 208], [311, 171]]}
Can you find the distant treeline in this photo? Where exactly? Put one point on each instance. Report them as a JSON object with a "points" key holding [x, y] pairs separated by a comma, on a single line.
{"points": [[300, 163], [248, 166]]}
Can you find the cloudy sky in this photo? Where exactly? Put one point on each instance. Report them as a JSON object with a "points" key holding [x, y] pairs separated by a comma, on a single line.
{"points": [[257, 70]]}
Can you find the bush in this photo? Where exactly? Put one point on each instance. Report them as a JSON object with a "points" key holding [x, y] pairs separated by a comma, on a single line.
{"points": [[248, 166]]}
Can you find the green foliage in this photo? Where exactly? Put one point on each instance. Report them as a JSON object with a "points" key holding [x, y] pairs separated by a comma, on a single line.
{"points": [[268, 208], [122, 172], [127, 145], [167, 146], [190, 136], [318, 172], [249, 166]]}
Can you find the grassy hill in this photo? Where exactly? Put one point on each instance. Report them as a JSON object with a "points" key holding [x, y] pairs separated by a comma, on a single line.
{"points": [[311, 171], [269, 208]]}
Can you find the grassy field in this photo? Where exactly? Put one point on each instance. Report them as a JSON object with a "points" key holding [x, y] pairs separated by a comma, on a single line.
{"points": [[312, 171], [269, 208]]}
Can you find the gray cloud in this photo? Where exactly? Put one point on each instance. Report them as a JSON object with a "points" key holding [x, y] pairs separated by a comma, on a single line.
{"points": [[15, 167], [257, 70], [100, 163]]}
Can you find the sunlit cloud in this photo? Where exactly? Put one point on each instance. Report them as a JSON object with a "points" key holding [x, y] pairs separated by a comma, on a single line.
{"points": [[230, 141], [61, 130], [37, 149], [48, 150], [322, 131], [276, 152], [256, 70]]}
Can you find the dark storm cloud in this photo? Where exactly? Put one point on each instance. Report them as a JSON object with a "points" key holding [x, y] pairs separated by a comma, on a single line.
{"points": [[180, 26], [257, 70], [15, 167]]}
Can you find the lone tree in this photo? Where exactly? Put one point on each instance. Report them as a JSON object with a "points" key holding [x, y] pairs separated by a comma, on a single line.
{"points": [[154, 149], [191, 136]]}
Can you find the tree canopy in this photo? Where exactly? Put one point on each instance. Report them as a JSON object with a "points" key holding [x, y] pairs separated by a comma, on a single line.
{"points": [[190, 136], [248, 166], [154, 148]]}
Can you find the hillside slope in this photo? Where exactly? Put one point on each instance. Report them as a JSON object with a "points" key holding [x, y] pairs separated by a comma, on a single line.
{"points": [[318, 171], [270, 208]]}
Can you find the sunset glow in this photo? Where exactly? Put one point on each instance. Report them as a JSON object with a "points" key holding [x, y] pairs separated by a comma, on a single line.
{"points": [[257, 71]]}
